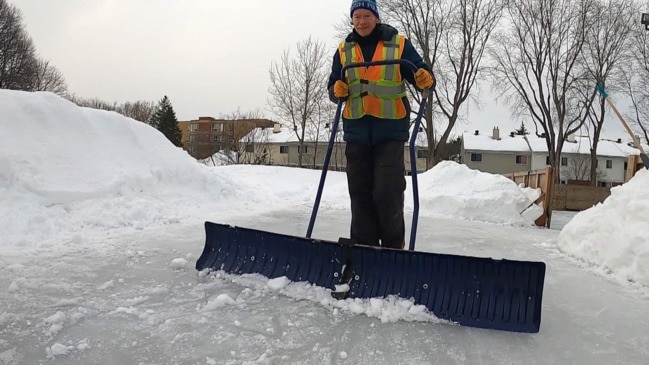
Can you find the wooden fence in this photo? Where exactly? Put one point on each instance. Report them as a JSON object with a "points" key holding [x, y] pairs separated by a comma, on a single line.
{"points": [[634, 164], [578, 197], [539, 179], [560, 197]]}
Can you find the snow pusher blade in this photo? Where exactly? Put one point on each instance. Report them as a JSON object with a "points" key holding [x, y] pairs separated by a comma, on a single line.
{"points": [[472, 291]]}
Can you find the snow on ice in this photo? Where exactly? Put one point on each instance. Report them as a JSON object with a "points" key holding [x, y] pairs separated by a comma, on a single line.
{"points": [[79, 185]]}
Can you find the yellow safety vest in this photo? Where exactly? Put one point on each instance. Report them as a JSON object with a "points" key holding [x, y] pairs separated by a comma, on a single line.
{"points": [[374, 90]]}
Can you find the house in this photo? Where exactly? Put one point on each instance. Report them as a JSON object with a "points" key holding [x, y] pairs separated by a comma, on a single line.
{"points": [[280, 146], [204, 136], [612, 157], [495, 153], [515, 153]]}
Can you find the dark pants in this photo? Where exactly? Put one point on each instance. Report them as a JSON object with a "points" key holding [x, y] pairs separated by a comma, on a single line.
{"points": [[375, 176]]}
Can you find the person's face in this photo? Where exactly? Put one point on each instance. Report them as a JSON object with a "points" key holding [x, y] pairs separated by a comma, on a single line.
{"points": [[364, 21]]}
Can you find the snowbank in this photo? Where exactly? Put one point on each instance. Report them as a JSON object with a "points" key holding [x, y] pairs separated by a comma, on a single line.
{"points": [[614, 235], [68, 172], [456, 191]]}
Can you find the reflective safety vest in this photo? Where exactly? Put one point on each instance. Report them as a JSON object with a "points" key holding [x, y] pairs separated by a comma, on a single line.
{"points": [[375, 90]]}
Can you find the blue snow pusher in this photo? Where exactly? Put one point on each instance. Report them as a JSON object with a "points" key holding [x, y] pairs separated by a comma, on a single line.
{"points": [[471, 291]]}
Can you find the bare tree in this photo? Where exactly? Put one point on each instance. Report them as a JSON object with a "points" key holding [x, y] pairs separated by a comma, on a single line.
{"points": [[94, 103], [424, 22], [48, 78], [298, 87], [537, 66], [138, 110], [637, 79], [604, 53], [453, 36], [579, 168], [239, 114], [251, 148], [318, 129], [254, 148], [18, 62]]}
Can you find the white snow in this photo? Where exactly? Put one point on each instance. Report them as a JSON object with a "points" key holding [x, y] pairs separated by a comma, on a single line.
{"points": [[102, 221], [220, 301], [614, 235], [532, 143], [455, 191], [178, 263]]}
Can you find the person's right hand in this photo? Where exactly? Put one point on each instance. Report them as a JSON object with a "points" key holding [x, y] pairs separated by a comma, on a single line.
{"points": [[341, 90]]}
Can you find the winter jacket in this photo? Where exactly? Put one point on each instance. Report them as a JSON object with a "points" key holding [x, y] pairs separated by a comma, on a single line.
{"points": [[370, 129]]}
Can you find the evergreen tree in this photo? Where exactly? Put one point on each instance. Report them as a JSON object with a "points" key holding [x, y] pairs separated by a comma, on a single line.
{"points": [[522, 130], [451, 150], [164, 120]]}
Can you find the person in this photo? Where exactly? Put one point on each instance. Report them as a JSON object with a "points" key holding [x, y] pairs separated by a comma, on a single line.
{"points": [[376, 118]]}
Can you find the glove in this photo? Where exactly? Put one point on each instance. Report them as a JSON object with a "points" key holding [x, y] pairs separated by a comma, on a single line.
{"points": [[341, 90], [423, 79]]}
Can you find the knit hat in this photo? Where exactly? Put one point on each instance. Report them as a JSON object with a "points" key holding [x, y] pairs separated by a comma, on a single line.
{"points": [[364, 4]]}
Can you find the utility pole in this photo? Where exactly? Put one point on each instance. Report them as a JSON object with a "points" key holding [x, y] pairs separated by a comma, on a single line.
{"points": [[634, 137]]}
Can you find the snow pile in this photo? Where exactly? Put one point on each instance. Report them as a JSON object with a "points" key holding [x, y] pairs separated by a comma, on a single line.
{"points": [[388, 310], [67, 171], [455, 191], [64, 169], [614, 235]]}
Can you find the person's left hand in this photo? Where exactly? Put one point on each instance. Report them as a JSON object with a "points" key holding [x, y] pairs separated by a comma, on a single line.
{"points": [[423, 79]]}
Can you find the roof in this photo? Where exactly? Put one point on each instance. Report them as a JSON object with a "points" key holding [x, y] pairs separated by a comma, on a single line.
{"points": [[485, 142], [531, 143], [285, 135], [605, 147]]}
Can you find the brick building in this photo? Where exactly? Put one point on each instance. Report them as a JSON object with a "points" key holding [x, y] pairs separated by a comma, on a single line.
{"points": [[205, 136]]}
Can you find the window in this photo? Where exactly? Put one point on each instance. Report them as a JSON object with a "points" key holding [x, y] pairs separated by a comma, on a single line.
{"points": [[218, 127], [299, 149], [422, 153], [217, 138], [564, 161], [547, 160], [283, 149], [192, 138], [191, 149], [476, 157], [521, 160], [609, 164], [192, 127], [250, 148]]}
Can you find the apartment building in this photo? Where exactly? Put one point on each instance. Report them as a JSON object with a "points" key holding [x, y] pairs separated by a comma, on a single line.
{"points": [[205, 136]]}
